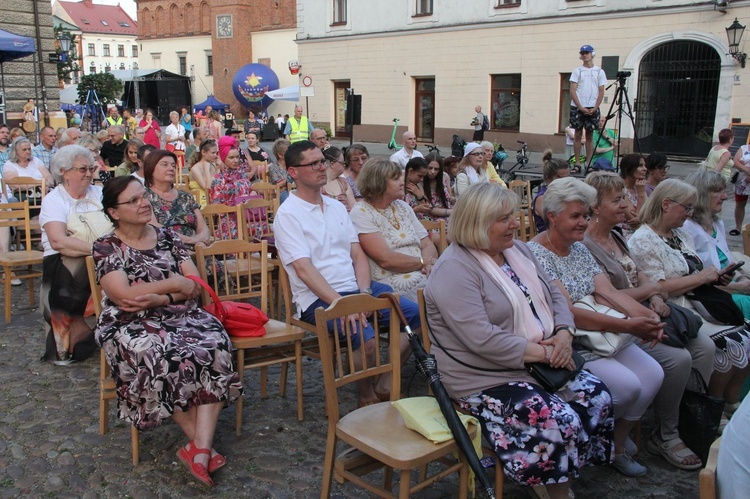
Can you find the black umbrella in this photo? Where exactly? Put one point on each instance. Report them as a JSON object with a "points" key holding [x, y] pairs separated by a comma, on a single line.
{"points": [[427, 365]]}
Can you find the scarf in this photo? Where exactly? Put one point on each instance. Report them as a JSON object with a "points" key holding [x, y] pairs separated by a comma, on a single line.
{"points": [[526, 324]]}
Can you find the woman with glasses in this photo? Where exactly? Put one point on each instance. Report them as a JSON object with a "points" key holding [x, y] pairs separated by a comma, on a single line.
{"points": [[656, 168], [22, 163], [173, 208], [169, 357], [472, 171], [666, 254], [337, 186], [65, 287]]}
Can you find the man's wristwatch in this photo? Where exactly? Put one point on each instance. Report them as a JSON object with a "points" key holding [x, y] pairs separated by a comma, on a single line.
{"points": [[367, 291], [570, 329]]}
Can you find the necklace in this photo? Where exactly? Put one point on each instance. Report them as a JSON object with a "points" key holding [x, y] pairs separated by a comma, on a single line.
{"points": [[553, 246], [395, 223], [606, 244]]}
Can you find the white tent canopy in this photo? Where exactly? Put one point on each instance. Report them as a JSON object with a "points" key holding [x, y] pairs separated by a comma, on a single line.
{"points": [[69, 95], [286, 93]]}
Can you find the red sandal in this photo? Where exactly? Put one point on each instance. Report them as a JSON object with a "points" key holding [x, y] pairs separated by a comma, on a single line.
{"points": [[217, 461], [198, 470]]}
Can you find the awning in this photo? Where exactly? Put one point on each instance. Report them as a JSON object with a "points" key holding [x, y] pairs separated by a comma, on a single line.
{"points": [[286, 93]]}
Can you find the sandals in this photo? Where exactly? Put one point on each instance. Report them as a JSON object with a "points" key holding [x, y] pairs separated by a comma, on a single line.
{"points": [[575, 169], [674, 457], [734, 232], [217, 461], [198, 470]]}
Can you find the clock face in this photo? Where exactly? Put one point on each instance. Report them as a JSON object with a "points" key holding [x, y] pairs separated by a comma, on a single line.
{"points": [[224, 26]]}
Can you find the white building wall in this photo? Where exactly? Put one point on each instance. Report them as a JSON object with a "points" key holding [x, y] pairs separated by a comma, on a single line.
{"points": [[382, 66], [114, 60], [165, 53], [280, 48]]}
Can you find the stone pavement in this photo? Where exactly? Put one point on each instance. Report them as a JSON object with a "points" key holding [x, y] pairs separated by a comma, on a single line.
{"points": [[50, 445]]}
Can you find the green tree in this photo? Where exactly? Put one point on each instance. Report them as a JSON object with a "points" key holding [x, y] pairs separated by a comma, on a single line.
{"points": [[70, 64], [108, 88]]}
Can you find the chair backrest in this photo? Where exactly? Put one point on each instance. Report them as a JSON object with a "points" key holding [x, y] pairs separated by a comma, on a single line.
{"points": [[525, 224], [26, 189], [707, 476], [236, 270], [262, 169], [194, 192], [270, 192], [441, 227], [423, 320], [338, 346], [96, 289], [219, 217], [256, 223], [523, 189], [17, 215], [746, 239]]}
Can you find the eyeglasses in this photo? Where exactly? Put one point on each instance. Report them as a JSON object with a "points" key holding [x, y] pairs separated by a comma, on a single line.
{"points": [[688, 209], [134, 201], [315, 165], [477, 154], [665, 168], [83, 169]]}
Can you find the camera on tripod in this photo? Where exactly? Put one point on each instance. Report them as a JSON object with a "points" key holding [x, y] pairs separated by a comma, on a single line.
{"points": [[621, 75]]}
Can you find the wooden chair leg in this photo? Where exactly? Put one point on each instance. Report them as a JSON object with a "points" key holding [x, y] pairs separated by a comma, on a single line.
{"points": [[263, 382], [31, 286], [325, 489], [463, 480], [283, 376], [135, 444], [404, 484], [298, 364], [499, 478], [239, 402], [6, 279]]}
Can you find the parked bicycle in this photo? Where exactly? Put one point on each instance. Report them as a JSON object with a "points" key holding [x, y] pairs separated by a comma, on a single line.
{"points": [[433, 148], [522, 159]]}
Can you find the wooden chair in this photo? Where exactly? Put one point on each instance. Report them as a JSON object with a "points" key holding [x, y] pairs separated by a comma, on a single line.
{"points": [[218, 214], [256, 225], [270, 192], [32, 190], [17, 215], [194, 192], [707, 476], [525, 228], [376, 431], [486, 450], [262, 169], [242, 267], [442, 228], [523, 189], [746, 239], [107, 389], [310, 347]]}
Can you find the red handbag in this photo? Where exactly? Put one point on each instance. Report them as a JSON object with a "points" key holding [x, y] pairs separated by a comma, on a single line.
{"points": [[239, 319]]}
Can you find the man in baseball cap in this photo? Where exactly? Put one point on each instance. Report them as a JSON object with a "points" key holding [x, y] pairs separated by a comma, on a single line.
{"points": [[586, 94]]}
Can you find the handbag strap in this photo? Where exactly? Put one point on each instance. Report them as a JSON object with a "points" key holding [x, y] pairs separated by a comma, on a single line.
{"points": [[701, 382], [91, 202], [218, 307]]}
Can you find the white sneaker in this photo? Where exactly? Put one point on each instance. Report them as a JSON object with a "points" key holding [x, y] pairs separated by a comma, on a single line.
{"points": [[628, 466], [15, 282]]}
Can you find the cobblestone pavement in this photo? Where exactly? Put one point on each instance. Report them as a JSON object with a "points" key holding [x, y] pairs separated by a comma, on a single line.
{"points": [[50, 445]]}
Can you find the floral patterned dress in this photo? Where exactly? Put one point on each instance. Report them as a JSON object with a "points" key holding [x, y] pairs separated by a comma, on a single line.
{"points": [[165, 358], [230, 187], [403, 233], [178, 215], [576, 271]]}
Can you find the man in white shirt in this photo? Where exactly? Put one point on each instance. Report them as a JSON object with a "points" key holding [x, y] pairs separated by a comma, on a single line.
{"points": [[409, 151], [586, 93], [319, 248]]}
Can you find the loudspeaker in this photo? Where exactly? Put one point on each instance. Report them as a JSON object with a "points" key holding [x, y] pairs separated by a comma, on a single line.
{"points": [[354, 110], [610, 65]]}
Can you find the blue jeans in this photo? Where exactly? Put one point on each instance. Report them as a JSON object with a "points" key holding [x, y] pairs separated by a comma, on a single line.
{"points": [[409, 308]]}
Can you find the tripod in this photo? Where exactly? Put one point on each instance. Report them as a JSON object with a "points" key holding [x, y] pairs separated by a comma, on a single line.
{"points": [[622, 101], [91, 105]]}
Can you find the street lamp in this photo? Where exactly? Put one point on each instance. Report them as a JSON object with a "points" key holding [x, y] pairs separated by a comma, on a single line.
{"points": [[64, 42], [734, 36]]}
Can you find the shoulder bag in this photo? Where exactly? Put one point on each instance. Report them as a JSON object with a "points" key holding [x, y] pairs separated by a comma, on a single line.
{"points": [[602, 343], [239, 319], [91, 225], [700, 416], [715, 305]]}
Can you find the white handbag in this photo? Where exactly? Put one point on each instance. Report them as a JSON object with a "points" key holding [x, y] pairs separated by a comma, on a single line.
{"points": [[602, 343], [90, 225]]}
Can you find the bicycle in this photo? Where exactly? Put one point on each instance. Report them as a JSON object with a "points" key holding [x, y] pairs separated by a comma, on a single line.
{"points": [[433, 148], [522, 159], [392, 144]]}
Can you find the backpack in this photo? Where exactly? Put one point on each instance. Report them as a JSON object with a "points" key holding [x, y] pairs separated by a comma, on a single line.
{"points": [[457, 146], [485, 122]]}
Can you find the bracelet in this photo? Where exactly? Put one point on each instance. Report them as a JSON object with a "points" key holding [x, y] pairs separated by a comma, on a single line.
{"points": [[570, 329], [421, 261], [171, 298], [547, 355]]}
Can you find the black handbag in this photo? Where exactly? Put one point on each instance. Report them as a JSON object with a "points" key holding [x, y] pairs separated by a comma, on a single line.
{"points": [[681, 325], [700, 416], [553, 378]]}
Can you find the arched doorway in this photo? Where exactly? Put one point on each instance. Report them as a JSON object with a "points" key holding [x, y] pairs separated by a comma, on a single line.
{"points": [[678, 84]]}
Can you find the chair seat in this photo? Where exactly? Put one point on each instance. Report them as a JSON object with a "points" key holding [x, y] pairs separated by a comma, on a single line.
{"points": [[380, 431], [29, 257], [276, 332]]}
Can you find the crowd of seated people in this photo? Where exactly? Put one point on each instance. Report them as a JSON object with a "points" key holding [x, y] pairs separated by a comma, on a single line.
{"points": [[348, 223]]}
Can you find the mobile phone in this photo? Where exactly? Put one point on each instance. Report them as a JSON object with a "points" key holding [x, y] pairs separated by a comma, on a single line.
{"points": [[731, 268]]}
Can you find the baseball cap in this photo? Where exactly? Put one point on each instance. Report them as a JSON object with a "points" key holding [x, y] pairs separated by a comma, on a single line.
{"points": [[586, 48]]}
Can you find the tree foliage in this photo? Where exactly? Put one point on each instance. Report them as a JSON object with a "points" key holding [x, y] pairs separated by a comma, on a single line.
{"points": [[70, 65], [108, 88]]}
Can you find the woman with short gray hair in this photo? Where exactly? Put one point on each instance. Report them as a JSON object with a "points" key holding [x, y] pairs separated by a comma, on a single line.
{"points": [[65, 286], [22, 163], [632, 376], [175, 133]]}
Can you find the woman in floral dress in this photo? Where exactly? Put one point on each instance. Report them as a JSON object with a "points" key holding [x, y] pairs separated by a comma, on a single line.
{"points": [[173, 208], [169, 357], [231, 186], [400, 251]]}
